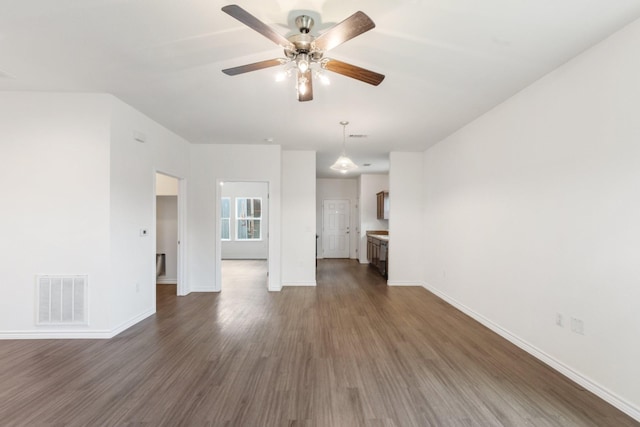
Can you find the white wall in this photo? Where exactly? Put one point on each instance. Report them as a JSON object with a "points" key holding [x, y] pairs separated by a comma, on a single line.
{"points": [[235, 249], [55, 204], [80, 191], [167, 236], [369, 186], [298, 218], [338, 189], [224, 162], [405, 219], [534, 210], [133, 176]]}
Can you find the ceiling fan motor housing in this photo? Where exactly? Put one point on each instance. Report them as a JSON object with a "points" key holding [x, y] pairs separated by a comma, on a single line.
{"points": [[304, 23], [303, 42]]}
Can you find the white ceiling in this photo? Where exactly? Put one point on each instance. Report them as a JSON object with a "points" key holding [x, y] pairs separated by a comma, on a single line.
{"points": [[446, 62]]}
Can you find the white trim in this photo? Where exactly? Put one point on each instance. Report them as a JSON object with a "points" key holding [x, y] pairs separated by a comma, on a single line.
{"points": [[57, 334], [74, 334], [272, 288], [129, 323], [404, 283], [183, 285], [272, 262], [167, 281], [585, 382], [181, 280], [217, 286], [205, 289], [313, 283]]}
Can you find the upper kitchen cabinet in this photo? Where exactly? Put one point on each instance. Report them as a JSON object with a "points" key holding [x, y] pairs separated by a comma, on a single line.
{"points": [[383, 205]]}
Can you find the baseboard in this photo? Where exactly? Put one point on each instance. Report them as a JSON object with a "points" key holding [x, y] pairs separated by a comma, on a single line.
{"points": [[129, 323], [60, 334], [168, 281], [555, 364], [56, 335], [203, 289], [313, 283], [403, 283]]}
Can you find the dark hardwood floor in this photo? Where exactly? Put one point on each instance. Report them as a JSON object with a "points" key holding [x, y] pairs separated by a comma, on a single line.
{"points": [[350, 352]]}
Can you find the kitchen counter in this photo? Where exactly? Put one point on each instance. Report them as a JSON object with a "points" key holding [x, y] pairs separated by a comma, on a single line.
{"points": [[380, 236]]}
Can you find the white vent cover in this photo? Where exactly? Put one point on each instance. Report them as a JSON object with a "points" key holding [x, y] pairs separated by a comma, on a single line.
{"points": [[62, 300]]}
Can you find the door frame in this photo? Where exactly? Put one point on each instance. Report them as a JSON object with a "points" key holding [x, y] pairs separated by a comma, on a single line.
{"points": [[182, 288], [271, 279]]}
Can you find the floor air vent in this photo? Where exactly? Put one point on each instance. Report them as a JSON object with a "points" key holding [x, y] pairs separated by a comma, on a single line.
{"points": [[62, 300]]}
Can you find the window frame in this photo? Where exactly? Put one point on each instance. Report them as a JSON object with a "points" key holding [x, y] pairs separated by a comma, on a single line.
{"points": [[223, 218], [239, 218]]}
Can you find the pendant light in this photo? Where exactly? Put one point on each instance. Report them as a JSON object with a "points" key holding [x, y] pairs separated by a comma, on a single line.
{"points": [[344, 164]]}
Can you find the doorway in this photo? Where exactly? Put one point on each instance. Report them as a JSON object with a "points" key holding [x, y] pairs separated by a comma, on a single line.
{"points": [[336, 216], [243, 230], [168, 207]]}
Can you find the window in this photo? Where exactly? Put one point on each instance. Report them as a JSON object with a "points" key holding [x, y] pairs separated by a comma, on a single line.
{"points": [[248, 218], [225, 219]]}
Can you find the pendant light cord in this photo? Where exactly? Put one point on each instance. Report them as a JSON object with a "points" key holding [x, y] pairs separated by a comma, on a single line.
{"points": [[344, 140]]}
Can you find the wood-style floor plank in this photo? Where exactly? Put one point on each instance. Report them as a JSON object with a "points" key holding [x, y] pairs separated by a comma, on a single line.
{"points": [[350, 352]]}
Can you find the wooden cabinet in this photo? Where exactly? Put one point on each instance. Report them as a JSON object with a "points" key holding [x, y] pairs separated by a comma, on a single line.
{"points": [[378, 254], [373, 250], [383, 258], [382, 205]]}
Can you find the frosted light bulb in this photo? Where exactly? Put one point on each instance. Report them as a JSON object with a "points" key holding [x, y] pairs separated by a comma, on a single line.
{"points": [[303, 62]]}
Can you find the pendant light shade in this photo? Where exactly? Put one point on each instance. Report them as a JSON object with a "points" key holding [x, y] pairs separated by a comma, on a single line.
{"points": [[344, 164]]}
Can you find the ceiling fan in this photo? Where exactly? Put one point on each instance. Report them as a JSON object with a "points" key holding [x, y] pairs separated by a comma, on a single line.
{"points": [[304, 52]]}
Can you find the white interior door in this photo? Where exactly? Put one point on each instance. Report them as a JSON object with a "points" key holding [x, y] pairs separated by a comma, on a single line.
{"points": [[335, 228]]}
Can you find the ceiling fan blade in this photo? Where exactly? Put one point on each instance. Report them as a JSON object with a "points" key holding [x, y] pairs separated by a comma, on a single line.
{"points": [[254, 67], [305, 86], [351, 27], [354, 72], [254, 23]]}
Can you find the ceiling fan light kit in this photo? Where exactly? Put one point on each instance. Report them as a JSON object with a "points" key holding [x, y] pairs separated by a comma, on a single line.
{"points": [[344, 164], [305, 52]]}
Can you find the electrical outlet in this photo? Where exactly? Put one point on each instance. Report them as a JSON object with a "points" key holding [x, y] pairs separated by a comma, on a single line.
{"points": [[137, 287], [577, 326], [559, 320]]}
